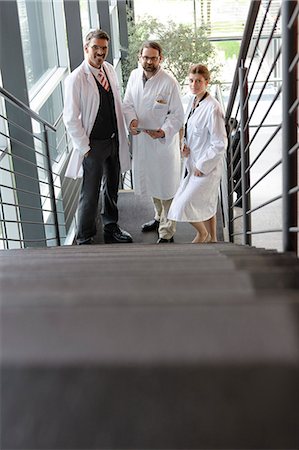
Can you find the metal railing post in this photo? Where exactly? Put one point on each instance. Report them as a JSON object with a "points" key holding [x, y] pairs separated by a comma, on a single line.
{"points": [[289, 125], [244, 140], [230, 191], [51, 185]]}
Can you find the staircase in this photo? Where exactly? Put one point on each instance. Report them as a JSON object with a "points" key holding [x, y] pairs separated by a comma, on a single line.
{"points": [[142, 346]]}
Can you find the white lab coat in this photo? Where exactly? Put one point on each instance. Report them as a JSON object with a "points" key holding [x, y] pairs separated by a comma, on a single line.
{"points": [[82, 101], [196, 198], [156, 162]]}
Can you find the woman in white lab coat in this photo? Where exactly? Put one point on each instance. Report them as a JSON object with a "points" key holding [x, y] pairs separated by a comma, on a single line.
{"points": [[204, 146]]}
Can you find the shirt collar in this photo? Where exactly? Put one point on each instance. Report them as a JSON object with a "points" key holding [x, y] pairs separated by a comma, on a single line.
{"points": [[94, 70], [144, 79]]}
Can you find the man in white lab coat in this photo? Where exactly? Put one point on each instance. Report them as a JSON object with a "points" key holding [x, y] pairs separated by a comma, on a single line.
{"points": [[154, 114], [94, 120]]}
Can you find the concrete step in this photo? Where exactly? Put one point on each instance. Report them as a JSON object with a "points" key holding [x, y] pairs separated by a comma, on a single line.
{"points": [[149, 347], [151, 377]]}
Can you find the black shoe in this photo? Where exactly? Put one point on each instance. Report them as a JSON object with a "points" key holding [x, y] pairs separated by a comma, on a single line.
{"points": [[115, 235], [87, 242], [152, 225], [165, 241]]}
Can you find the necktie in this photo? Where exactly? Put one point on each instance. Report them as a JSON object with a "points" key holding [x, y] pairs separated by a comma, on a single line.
{"points": [[103, 80]]}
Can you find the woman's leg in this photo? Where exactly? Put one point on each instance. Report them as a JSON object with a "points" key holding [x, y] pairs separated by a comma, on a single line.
{"points": [[202, 234], [212, 228]]}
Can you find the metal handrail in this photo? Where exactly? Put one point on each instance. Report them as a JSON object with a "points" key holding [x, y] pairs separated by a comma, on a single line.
{"points": [[41, 200], [16, 102], [246, 156]]}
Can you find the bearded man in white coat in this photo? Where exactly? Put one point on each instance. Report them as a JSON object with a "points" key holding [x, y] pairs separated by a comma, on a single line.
{"points": [[154, 114], [94, 120]]}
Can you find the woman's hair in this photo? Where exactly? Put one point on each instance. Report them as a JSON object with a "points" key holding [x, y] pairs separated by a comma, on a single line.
{"points": [[201, 70], [151, 44], [97, 34]]}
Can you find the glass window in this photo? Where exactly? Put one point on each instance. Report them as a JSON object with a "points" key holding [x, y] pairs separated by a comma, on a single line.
{"points": [[38, 39], [51, 112], [85, 17], [89, 16]]}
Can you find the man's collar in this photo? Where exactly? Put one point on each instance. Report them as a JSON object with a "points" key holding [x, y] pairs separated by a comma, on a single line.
{"points": [[144, 77], [94, 70]]}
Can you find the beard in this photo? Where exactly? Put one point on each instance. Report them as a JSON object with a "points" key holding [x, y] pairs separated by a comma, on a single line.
{"points": [[148, 68]]}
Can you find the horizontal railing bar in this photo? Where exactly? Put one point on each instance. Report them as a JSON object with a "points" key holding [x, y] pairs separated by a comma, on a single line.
{"points": [[294, 16], [260, 64], [16, 102], [294, 190], [262, 90], [19, 205], [265, 125], [269, 40], [237, 234], [294, 63], [264, 175], [235, 204], [236, 169], [24, 191], [26, 176], [245, 43], [28, 222], [294, 229], [294, 106], [264, 148], [16, 141], [237, 217], [262, 205], [12, 122], [264, 118], [20, 158], [273, 80], [275, 230], [6, 239], [257, 38]]}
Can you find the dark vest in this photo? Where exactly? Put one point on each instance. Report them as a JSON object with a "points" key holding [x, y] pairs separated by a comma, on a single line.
{"points": [[105, 123]]}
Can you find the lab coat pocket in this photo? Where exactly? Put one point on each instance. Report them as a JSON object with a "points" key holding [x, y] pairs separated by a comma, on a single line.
{"points": [[74, 168], [160, 107], [161, 101], [201, 133]]}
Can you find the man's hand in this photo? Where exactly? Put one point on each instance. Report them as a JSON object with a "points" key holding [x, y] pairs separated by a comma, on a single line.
{"points": [[133, 127], [155, 134]]}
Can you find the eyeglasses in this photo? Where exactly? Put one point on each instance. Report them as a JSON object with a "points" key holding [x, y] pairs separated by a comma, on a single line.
{"points": [[150, 58], [98, 47]]}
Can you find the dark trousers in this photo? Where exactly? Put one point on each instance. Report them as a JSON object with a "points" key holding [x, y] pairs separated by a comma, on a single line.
{"points": [[101, 168]]}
